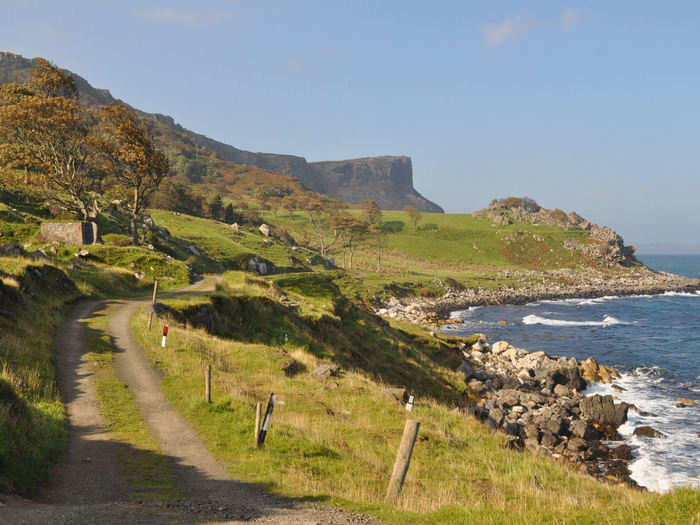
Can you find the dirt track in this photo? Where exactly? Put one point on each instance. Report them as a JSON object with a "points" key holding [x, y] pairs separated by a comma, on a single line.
{"points": [[86, 486]]}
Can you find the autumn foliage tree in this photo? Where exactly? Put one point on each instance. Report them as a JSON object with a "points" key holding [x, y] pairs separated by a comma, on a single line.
{"points": [[43, 127], [132, 161]]}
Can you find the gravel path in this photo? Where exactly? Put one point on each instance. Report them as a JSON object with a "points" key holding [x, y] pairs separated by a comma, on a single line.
{"points": [[86, 487]]}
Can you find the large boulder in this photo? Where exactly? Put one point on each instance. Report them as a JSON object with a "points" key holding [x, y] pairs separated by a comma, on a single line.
{"points": [[594, 372], [602, 410]]}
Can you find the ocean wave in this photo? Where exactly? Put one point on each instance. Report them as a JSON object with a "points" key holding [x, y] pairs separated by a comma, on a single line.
{"points": [[682, 294], [608, 320]]}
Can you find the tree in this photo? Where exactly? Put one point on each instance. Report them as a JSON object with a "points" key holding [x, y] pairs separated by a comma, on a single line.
{"points": [[319, 209], [414, 214], [373, 213], [350, 230], [43, 127], [132, 159], [379, 242], [229, 214]]}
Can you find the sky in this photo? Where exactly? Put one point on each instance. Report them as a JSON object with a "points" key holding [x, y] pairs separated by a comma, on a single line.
{"points": [[585, 106]]}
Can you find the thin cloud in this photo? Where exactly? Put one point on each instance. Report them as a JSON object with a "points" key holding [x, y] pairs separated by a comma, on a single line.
{"points": [[571, 17], [512, 28], [169, 15]]}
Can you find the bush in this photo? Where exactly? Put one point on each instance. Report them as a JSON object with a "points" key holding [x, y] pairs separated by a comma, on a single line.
{"points": [[393, 226], [430, 227], [425, 292]]}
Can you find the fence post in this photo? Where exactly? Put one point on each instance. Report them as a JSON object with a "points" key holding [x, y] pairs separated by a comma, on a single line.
{"points": [[153, 303], [258, 417], [207, 384], [403, 460]]}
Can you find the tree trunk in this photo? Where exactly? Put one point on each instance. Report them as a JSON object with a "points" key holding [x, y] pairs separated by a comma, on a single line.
{"points": [[134, 216]]}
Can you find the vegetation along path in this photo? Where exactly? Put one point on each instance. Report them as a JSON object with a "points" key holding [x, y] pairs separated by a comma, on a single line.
{"points": [[88, 487]]}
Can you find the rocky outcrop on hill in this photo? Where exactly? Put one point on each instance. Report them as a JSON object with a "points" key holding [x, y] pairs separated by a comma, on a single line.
{"points": [[536, 400], [603, 243], [386, 180]]}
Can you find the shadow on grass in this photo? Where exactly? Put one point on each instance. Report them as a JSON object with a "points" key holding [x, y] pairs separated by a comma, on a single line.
{"points": [[353, 338]]}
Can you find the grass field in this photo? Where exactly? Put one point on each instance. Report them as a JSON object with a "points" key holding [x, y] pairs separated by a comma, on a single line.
{"points": [[335, 442]]}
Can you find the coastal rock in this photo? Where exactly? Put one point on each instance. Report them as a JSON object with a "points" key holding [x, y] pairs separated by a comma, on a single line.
{"points": [[684, 402], [594, 372], [602, 410], [647, 431]]}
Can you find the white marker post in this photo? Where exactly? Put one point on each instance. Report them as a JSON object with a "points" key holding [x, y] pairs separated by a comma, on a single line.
{"points": [[266, 421], [409, 405], [165, 335]]}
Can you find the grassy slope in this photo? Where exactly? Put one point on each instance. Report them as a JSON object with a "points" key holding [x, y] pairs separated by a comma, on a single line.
{"points": [[324, 440], [471, 251], [32, 421]]}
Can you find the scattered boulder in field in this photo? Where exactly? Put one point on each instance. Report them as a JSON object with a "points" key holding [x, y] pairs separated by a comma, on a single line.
{"points": [[325, 371], [396, 394], [265, 229], [292, 367], [13, 249]]}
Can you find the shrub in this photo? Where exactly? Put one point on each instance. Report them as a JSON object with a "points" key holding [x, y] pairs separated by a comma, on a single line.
{"points": [[425, 292], [429, 227]]}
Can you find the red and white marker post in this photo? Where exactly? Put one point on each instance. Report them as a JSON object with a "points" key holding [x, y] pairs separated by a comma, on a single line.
{"points": [[165, 335]]}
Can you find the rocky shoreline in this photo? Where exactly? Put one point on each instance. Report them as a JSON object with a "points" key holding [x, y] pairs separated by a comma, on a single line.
{"points": [[537, 286], [537, 401]]}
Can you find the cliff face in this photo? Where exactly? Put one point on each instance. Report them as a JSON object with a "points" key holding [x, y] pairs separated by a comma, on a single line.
{"points": [[386, 180]]}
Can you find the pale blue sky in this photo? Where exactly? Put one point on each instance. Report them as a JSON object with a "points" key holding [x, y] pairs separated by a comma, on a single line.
{"points": [[590, 106]]}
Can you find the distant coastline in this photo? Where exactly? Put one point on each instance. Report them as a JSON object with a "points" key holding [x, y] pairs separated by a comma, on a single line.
{"points": [[552, 285]]}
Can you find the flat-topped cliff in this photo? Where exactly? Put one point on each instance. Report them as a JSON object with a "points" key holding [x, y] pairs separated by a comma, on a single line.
{"points": [[386, 180]]}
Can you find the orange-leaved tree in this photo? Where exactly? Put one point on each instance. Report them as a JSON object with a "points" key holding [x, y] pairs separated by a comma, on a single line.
{"points": [[44, 128], [133, 163]]}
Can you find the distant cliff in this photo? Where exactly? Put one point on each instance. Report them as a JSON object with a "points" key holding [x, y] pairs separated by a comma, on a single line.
{"points": [[386, 180]]}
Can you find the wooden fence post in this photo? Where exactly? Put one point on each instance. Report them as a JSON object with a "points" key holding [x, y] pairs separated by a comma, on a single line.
{"points": [[207, 384], [155, 291], [258, 417], [403, 460], [153, 303]]}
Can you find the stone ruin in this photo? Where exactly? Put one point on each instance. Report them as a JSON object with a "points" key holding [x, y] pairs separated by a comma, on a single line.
{"points": [[70, 232]]}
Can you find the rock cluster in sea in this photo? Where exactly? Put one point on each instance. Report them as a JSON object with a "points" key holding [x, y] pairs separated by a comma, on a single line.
{"points": [[536, 400]]}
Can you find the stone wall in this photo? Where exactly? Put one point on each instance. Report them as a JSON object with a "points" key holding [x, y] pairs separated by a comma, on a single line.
{"points": [[70, 232]]}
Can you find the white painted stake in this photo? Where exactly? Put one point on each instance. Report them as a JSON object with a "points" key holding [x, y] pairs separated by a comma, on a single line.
{"points": [[409, 405], [165, 335]]}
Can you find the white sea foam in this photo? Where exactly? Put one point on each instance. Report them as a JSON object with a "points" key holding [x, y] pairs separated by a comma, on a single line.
{"points": [[608, 320], [660, 464], [682, 294]]}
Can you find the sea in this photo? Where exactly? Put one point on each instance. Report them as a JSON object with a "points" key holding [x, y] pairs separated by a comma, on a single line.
{"points": [[654, 341]]}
